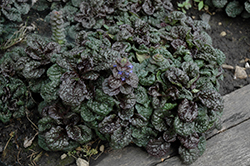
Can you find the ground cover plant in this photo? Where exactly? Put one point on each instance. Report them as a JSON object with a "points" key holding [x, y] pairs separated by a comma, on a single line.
{"points": [[232, 8], [127, 72]]}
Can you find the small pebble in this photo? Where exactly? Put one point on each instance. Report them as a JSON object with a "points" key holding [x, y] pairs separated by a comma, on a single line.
{"points": [[102, 148], [247, 65], [81, 162], [219, 23], [63, 156], [223, 33], [240, 73]]}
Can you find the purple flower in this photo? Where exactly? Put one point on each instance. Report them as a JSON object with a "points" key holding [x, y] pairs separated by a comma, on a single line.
{"points": [[123, 78], [127, 74], [131, 71], [114, 65], [120, 72], [130, 66]]}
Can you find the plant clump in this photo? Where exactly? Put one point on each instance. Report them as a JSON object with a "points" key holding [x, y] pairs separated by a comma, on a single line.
{"points": [[233, 8], [137, 72]]}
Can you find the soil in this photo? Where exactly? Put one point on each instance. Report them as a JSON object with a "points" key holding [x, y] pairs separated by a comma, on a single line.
{"points": [[235, 44]]}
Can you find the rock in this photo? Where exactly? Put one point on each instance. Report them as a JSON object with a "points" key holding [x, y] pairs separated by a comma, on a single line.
{"points": [[240, 73], [81, 162], [225, 66], [247, 65], [63, 156], [223, 33]]}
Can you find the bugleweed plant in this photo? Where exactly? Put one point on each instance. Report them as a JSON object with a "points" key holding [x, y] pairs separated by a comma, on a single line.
{"points": [[233, 8], [138, 72]]}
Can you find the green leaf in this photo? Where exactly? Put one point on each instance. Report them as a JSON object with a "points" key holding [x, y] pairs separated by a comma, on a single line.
{"points": [[141, 57], [169, 106], [158, 120], [100, 108], [121, 138], [147, 81], [56, 140], [200, 5], [141, 95], [191, 155], [80, 133], [144, 111], [183, 128], [142, 135]]}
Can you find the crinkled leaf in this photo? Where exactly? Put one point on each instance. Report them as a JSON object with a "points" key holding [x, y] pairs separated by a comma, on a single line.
{"points": [[177, 77], [141, 95], [72, 90], [12, 14], [158, 119], [132, 80], [142, 135], [86, 114], [126, 114], [219, 3], [103, 108], [147, 81], [187, 110], [190, 141], [108, 90], [234, 8], [126, 89], [143, 110], [183, 128], [80, 133], [57, 141], [121, 138], [148, 7], [14, 99], [191, 155], [49, 92], [158, 147], [211, 99], [128, 101], [33, 70], [45, 124], [184, 93], [169, 136], [203, 122], [109, 124]]}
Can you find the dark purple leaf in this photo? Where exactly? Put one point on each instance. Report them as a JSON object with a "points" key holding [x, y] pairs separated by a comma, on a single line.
{"points": [[114, 83], [177, 76], [71, 119], [187, 110], [121, 138], [211, 99], [158, 147], [132, 80], [190, 141], [109, 124], [72, 89], [108, 90], [169, 136], [177, 43], [126, 114], [148, 7], [135, 7], [127, 101], [80, 133], [126, 89]]}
